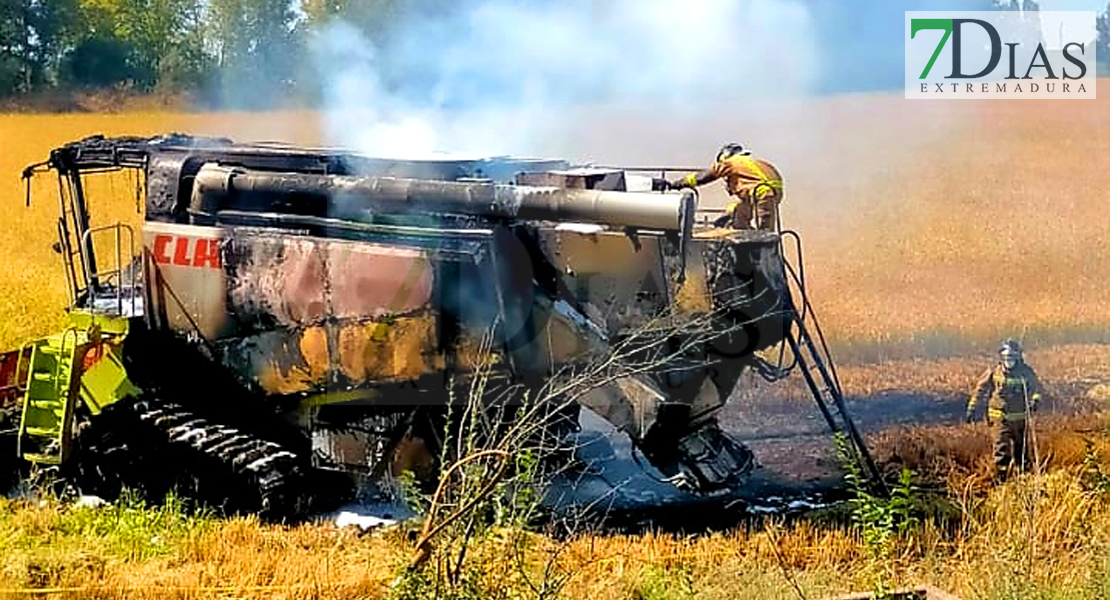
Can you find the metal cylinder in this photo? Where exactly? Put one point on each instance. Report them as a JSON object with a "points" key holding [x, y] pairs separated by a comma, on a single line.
{"points": [[219, 187]]}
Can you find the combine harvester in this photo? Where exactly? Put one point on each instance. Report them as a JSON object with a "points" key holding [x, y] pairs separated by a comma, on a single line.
{"points": [[288, 320]]}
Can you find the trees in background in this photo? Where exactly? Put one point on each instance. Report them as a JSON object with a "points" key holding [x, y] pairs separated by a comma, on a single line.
{"points": [[34, 36], [237, 52], [255, 46], [140, 44]]}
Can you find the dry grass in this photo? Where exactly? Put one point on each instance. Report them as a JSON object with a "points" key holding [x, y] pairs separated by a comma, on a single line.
{"points": [[960, 456], [1046, 537], [126, 552], [936, 230]]}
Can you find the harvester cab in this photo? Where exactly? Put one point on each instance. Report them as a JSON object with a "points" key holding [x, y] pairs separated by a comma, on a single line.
{"points": [[287, 310]]}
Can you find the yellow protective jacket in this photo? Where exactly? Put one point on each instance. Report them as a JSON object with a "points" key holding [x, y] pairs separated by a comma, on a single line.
{"points": [[749, 179], [1010, 395]]}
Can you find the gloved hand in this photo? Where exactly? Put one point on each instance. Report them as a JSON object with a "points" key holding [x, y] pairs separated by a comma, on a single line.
{"points": [[968, 418], [659, 184]]}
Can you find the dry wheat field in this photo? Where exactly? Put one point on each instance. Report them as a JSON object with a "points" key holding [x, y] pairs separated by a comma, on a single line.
{"points": [[931, 231]]}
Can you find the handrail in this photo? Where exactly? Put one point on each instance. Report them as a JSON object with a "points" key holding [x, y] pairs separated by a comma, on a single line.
{"points": [[811, 351], [19, 364], [66, 250], [118, 271], [60, 359], [79, 282]]}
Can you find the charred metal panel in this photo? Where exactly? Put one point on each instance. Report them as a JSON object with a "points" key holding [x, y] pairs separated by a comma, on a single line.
{"points": [[294, 313], [402, 349], [335, 355], [163, 179], [693, 295], [290, 281], [745, 278], [734, 276], [581, 178], [315, 314], [187, 286], [618, 280], [561, 339]]}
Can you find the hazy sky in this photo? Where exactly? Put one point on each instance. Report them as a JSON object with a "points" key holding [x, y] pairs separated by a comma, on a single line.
{"points": [[1095, 5]]}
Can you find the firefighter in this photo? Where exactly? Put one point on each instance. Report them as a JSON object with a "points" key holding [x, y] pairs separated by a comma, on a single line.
{"points": [[754, 184], [1011, 392]]}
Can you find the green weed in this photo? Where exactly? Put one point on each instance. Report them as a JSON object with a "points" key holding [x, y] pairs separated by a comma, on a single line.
{"points": [[132, 530]]}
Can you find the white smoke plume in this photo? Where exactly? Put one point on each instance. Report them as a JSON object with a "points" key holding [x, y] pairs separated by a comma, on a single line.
{"points": [[497, 76]]}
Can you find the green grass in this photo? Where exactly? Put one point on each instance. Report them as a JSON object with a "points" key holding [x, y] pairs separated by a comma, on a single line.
{"points": [[48, 542]]}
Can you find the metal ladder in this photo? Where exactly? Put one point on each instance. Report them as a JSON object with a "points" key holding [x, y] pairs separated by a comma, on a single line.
{"points": [[45, 426], [815, 362], [826, 392]]}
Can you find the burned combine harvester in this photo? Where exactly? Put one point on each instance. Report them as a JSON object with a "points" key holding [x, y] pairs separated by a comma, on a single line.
{"points": [[286, 315]]}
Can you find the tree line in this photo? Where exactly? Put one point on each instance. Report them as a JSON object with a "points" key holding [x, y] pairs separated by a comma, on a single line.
{"points": [[169, 45], [233, 52]]}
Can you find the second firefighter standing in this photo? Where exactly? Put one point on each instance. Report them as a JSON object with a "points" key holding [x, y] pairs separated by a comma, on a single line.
{"points": [[1011, 392]]}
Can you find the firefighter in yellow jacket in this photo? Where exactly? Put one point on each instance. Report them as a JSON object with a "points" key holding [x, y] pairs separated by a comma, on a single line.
{"points": [[754, 184], [1011, 393]]}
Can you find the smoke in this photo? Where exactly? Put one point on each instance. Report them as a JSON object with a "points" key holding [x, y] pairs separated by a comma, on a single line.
{"points": [[498, 76], [360, 113], [647, 82]]}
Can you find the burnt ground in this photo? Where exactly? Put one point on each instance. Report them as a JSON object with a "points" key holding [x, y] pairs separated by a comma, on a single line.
{"points": [[797, 463], [792, 443], [794, 450]]}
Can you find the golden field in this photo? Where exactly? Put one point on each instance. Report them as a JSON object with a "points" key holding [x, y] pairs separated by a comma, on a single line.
{"points": [[993, 223], [930, 227]]}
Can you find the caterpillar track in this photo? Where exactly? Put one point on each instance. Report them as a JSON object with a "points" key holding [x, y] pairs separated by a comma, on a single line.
{"points": [[11, 468], [157, 447]]}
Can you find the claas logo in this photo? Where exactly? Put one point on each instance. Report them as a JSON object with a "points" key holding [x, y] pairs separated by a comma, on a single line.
{"points": [[1072, 52], [186, 252]]}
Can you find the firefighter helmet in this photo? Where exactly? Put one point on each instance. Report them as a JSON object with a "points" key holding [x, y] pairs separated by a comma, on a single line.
{"points": [[729, 150], [1010, 352]]}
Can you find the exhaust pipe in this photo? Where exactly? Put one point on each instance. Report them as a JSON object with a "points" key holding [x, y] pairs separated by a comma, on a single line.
{"points": [[218, 187]]}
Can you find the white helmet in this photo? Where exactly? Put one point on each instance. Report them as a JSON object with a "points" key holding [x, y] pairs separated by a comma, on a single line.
{"points": [[1010, 352]]}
